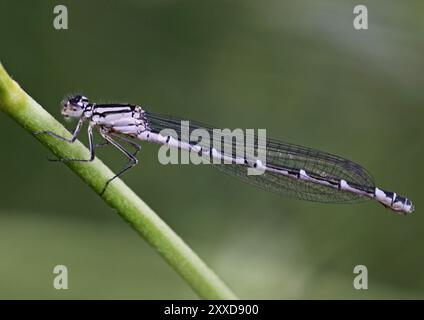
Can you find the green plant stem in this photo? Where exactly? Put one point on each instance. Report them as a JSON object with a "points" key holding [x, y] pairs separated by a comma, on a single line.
{"points": [[32, 117]]}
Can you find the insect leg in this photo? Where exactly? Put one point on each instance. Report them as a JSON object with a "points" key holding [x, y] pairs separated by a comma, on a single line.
{"points": [[135, 145], [132, 159], [91, 146], [74, 134]]}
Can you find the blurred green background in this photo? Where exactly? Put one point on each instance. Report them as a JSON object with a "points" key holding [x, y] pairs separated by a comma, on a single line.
{"points": [[297, 68]]}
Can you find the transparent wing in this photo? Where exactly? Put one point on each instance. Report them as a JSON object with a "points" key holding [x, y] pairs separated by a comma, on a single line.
{"points": [[285, 156]]}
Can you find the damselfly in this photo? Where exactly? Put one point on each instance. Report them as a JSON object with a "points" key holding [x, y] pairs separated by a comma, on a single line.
{"points": [[292, 170]]}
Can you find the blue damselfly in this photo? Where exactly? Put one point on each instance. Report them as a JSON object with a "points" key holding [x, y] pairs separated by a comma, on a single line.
{"points": [[291, 170]]}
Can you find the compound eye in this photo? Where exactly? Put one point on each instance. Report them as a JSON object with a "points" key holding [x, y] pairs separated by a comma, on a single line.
{"points": [[75, 100]]}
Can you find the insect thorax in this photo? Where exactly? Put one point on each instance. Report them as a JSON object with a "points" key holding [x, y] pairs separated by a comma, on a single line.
{"points": [[123, 118]]}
